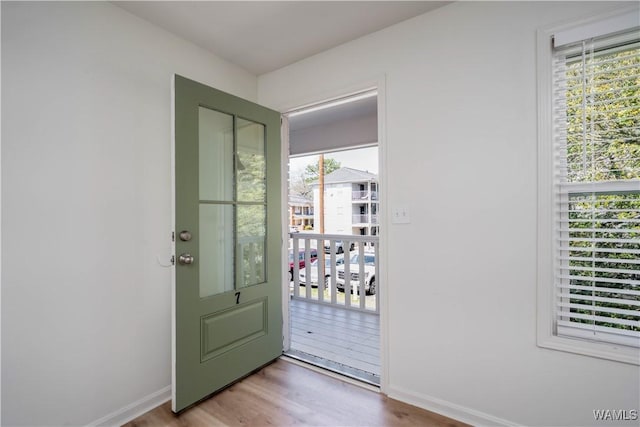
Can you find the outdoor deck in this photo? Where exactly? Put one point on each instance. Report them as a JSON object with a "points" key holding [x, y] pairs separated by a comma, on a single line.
{"points": [[337, 339]]}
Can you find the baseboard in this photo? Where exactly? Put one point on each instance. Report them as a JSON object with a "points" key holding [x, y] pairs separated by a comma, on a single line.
{"points": [[135, 409], [448, 409]]}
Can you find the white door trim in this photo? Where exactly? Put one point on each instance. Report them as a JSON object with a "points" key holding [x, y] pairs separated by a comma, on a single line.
{"points": [[284, 171]]}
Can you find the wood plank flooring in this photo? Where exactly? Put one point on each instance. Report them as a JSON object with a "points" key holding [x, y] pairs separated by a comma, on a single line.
{"points": [[285, 394], [347, 337]]}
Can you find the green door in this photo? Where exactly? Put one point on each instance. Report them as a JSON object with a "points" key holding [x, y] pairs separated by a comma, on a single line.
{"points": [[227, 317]]}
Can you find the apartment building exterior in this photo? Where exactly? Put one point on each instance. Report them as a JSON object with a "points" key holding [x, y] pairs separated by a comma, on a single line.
{"points": [[351, 202], [300, 213]]}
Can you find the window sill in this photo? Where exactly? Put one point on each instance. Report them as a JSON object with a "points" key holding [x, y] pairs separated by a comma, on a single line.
{"points": [[617, 353]]}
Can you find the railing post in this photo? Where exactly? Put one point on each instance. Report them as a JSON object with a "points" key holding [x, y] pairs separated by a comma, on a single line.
{"points": [[252, 262], [320, 267], [377, 278], [334, 272], [295, 267], [361, 278], [347, 278], [307, 267]]}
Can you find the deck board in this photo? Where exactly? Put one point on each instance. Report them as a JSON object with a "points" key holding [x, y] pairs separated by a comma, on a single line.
{"points": [[346, 337]]}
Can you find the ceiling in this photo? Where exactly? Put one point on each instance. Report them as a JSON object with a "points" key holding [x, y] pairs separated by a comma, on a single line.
{"points": [[263, 36]]}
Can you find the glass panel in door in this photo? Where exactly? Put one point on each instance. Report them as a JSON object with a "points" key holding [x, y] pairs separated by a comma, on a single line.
{"points": [[251, 164], [251, 245], [215, 155], [216, 249], [251, 213]]}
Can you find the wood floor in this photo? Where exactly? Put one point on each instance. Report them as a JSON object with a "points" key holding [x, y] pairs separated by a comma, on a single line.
{"points": [[285, 394]]}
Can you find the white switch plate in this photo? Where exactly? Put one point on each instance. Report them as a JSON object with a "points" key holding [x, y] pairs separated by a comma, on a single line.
{"points": [[400, 215]]}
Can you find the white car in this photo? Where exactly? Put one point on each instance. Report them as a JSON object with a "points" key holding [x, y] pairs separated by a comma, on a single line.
{"points": [[314, 272], [339, 245], [354, 272]]}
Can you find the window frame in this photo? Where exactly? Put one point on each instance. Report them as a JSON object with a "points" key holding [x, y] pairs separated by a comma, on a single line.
{"points": [[547, 336]]}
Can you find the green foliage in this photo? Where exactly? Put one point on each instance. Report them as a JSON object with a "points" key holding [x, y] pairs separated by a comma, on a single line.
{"points": [[301, 185], [251, 177], [603, 144], [604, 232], [250, 212], [311, 171], [603, 133]]}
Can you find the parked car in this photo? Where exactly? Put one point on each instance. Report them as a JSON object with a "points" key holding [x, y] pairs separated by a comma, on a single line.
{"points": [[354, 272], [339, 246], [301, 261], [313, 279]]}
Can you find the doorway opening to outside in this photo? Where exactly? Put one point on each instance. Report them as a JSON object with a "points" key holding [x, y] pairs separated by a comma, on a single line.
{"points": [[333, 245]]}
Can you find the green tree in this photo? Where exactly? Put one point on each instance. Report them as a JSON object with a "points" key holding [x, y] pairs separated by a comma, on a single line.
{"points": [[311, 171], [603, 133], [603, 144]]}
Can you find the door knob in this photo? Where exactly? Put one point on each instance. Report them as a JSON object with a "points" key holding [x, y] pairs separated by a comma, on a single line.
{"points": [[185, 259]]}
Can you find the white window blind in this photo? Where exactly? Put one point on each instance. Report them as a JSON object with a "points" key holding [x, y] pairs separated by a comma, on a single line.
{"points": [[596, 86], [619, 22]]}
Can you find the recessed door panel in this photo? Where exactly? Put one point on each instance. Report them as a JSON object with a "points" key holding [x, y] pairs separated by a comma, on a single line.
{"points": [[233, 327]]}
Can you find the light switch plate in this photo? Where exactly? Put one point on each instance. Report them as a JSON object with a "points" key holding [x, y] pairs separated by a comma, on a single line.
{"points": [[400, 215]]}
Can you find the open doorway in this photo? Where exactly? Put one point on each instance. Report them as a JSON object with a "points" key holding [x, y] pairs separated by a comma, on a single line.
{"points": [[333, 203]]}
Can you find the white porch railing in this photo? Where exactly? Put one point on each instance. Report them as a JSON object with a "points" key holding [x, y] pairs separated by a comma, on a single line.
{"points": [[364, 195], [340, 277], [364, 219], [250, 260]]}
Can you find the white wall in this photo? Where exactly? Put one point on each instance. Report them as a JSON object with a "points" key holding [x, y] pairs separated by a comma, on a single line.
{"points": [[337, 208], [461, 135], [86, 206]]}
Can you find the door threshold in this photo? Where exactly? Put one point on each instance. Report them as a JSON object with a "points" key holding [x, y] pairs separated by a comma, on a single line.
{"points": [[334, 369]]}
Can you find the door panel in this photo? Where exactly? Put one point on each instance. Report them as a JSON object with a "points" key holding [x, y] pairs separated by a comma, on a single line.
{"points": [[227, 329], [227, 290]]}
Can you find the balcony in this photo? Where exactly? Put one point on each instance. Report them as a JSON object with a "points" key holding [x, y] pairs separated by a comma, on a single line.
{"points": [[305, 215], [335, 320], [364, 196], [364, 219], [298, 210]]}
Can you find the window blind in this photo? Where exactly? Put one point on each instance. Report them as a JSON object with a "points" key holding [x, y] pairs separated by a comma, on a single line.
{"points": [[596, 85], [340, 124], [619, 22]]}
